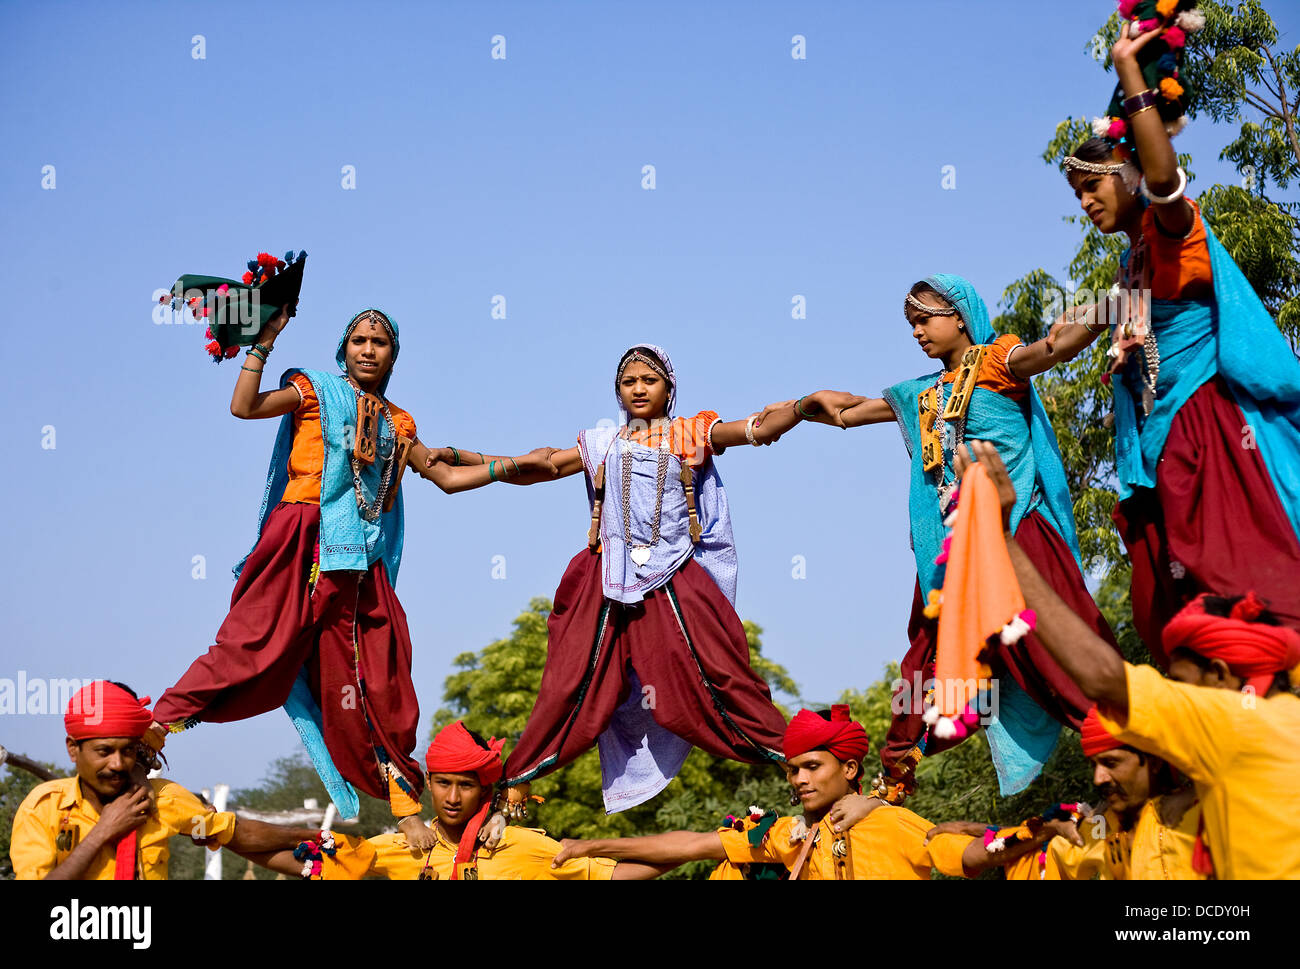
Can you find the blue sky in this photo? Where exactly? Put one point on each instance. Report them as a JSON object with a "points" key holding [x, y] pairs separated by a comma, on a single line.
{"points": [[475, 177]]}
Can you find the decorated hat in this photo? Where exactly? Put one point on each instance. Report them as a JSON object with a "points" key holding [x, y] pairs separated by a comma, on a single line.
{"points": [[235, 310], [1161, 63]]}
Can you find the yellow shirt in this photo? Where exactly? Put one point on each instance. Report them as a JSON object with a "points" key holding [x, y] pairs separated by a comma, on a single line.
{"points": [[524, 854], [58, 806], [1240, 751], [887, 844], [1151, 851]]}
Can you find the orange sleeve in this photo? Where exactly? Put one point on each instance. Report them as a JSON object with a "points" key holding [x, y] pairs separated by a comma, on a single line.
{"points": [[691, 436], [308, 394], [994, 373], [1180, 268], [307, 454], [403, 421]]}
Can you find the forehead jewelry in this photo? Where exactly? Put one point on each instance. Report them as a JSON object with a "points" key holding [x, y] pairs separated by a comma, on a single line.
{"points": [[926, 308], [374, 316], [1125, 170], [637, 357]]}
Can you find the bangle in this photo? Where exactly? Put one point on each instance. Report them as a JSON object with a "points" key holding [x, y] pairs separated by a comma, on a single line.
{"points": [[455, 454], [250, 370], [799, 410], [515, 463], [492, 471], [1139, 102], [1140, 110], [266, 350], [481, 458], [1173, 196], [749, 429]]}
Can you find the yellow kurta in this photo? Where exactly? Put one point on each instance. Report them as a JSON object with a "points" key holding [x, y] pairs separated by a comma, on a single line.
{"points": [[1241, 753], [1151, 851], [524, 854], [58, 806], [887, 844]]}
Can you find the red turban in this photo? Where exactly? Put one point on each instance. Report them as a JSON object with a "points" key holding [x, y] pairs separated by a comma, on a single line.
{"points": [[102, 709], [845, 739], [1095, 738], [1254, 651], [455, 751]]}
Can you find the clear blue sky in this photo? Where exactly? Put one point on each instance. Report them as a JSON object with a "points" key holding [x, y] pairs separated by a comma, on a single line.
{"points": [[775, 177]]}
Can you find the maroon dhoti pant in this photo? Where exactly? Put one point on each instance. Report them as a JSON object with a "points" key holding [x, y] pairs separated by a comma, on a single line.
{"points": [[1026, 661], [1213, 522], [349, 634], [684, 640]]}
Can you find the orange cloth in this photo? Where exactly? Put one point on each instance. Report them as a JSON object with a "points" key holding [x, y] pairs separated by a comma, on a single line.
{"points": [[1180, 268], [886, 845], [1241, 753], [980, 593], [307, 455], [688, 437], [524, 854], [59, 805], [401, 804], [994, 373]]}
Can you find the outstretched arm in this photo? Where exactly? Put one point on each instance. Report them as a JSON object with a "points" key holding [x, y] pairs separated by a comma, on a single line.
{"points": [[1086, 658], [837, 408], [249, 402], [1072, 333], [672, 848], [976, 858], [528, 468]]}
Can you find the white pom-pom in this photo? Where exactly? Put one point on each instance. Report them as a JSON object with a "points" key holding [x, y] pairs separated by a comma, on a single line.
{"points": [[945, 729], [996, 845], [798, 830], [1113, 352], [951, 519], [1100, 126], [1191, 20], [1014, 631], [930, 716], [1175, 127], [755, 809]]}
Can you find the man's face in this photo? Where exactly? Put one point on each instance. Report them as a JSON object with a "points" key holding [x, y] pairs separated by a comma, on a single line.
{"points": [[1123, 779], [456, 797], [820, 779], [104, 763]]}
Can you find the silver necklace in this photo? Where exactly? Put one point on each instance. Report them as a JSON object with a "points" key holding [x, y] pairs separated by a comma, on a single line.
{"points": [[370, 512], [640, 554], [945, 490]]}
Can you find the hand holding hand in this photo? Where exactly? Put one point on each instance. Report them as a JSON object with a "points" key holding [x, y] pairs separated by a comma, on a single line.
{"points": [[416, 833]]}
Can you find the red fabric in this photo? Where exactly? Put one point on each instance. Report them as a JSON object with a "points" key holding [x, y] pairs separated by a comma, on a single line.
{"points": [[124, 863], [709, 697], [277, 626], [1026, 661], [102, 709], [1253, 651], [454, 751], [843, 738], [1213, 517], [1095, 738]]}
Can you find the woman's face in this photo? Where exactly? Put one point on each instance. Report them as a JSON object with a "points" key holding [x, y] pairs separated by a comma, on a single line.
{"points": [[644, 393], [939, 336], [1104, 199], [368, 354]]}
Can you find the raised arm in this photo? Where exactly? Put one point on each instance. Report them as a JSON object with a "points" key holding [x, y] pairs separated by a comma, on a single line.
{"points": [[1159, 161], [249, 401], [1086, 658]]}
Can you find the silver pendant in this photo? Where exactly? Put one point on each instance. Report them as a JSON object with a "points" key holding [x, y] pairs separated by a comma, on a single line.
{"points": [[640, 554]]}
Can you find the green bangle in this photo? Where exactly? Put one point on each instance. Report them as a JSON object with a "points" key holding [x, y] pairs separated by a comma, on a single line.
{"points": [[799, 410], [250, 370], [266, 350], [516, 464], [456, 454], [492, 471], [256, 351]]}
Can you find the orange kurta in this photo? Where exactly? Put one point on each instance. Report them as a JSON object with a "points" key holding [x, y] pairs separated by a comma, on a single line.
{"points": [[1180, 268], [688, 437], [887, 844], [1241, 753], [307, 455], [59, 805], [524, 854]]}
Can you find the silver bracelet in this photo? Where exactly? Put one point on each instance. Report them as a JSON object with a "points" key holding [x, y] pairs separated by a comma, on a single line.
{"points": [[749, 429], [1173, 196]]}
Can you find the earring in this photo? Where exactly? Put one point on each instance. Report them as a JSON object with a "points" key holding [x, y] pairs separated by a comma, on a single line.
{"points": [[794, 797], [961, 327]]}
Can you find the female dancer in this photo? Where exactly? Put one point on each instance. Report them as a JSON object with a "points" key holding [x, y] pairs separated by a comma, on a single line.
{"points": [[314, 622], [982, 392], [646, 655], [1207, 401]]}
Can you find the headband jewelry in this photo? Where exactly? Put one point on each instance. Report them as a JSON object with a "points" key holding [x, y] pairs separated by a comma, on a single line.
{"points": [[637, 357], [1126, 170], [926, 308], [374, 316]]}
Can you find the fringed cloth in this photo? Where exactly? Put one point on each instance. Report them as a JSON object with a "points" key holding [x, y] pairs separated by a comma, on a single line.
{"points": [[277, 626]]}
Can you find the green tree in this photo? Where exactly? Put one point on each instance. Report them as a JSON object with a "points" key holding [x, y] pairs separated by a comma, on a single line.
{"points": [[15, 785], [493, 692]]}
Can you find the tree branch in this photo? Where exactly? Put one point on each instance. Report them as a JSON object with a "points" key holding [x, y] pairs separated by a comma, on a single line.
{"points": [[20, 762], [1288, 118]]}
